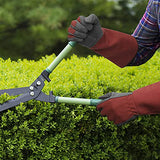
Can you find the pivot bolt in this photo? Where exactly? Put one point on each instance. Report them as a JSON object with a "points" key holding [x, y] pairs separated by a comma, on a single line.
{"points": [[38, 83], [31, 88], [32, 93]]}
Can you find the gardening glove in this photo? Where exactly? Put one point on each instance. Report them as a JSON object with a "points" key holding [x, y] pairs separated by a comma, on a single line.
{"points": [[118, 47], [85, 30], [122, 107]]}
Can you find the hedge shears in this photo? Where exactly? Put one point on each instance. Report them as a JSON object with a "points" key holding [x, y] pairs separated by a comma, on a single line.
{"points": [[34, 91]]}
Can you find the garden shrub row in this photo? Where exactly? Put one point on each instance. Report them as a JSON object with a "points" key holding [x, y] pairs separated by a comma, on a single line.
{"points": [[38, 130]]}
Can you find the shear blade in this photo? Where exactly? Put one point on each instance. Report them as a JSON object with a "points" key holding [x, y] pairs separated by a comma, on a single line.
{"points": [[15, 91], [14, 102]]}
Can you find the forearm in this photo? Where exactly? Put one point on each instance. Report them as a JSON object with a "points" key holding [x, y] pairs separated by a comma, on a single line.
{"points": [[147, 34], [142, 56], [137, 49]]}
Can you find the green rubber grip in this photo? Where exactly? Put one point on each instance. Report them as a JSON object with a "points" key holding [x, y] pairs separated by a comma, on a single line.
{"points": [[83, 101], [95, 102], [72, 43], [60, 57]]}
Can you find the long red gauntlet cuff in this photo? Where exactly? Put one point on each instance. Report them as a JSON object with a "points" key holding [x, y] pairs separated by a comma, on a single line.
{"points": [[118, 47], [147, 99]]}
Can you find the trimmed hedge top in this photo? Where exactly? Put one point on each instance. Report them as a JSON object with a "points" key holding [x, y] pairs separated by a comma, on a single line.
{"points": [[39, 130]]}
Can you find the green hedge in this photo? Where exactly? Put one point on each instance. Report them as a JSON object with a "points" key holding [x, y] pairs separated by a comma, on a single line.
{"points": [[38, 130]]}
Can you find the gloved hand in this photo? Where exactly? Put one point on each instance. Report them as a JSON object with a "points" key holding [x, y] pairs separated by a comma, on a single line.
{"points": [[122, 107], [117, 108], [118, 47], [85, 30]]}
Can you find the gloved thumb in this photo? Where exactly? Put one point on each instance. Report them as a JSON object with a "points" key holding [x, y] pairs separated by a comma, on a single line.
{"points": [[108, 95], [114, 95]]}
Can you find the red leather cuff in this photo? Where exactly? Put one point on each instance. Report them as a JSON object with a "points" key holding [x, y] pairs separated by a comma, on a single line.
{"points": [[118, 47], [147, 99]]}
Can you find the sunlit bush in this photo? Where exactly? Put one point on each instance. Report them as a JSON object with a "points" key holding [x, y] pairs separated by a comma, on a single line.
{"points": [[39, 130]]}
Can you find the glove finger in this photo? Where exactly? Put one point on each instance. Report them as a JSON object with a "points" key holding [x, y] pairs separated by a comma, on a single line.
{"points": [[108, 95], [75, 24], [92, 19], [81, 19], [104, 113], [72, 38], [99, 107], [75, 33]]}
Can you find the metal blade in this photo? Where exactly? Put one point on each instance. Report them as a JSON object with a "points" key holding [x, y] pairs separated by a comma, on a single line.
{"points": [[14, 102], [15, 91]]}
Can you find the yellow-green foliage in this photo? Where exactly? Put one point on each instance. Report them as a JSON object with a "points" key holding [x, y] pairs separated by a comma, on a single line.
{"points": [[38, 130]]}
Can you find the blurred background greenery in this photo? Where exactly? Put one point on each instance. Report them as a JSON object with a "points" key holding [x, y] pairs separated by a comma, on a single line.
{"points": [[31, 29]]}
